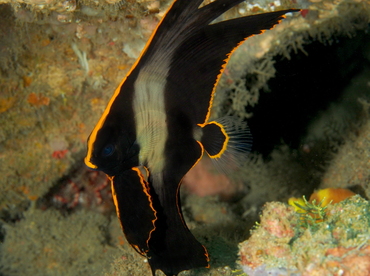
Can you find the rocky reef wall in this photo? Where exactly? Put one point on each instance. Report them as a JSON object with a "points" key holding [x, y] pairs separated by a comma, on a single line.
{"points": [[60, 62]]}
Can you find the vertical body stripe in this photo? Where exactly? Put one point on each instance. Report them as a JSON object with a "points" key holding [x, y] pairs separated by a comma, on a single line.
{"points": [[150, 118]]}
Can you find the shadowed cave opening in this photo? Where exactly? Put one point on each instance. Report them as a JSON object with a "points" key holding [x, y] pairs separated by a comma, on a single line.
{"points": [[304, 87]]}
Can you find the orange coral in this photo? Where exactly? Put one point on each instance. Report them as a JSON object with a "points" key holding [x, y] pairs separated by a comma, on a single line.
{"points": [[6, 103], [333, 195], [27, 81], [323, 197], [59, 154], [38, 100]]}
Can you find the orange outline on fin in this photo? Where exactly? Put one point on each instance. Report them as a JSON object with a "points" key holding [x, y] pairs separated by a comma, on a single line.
{"points": [[146, 191], [226, 60], [226, 142]]}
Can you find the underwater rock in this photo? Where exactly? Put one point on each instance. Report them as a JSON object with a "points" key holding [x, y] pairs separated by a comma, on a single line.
{"points": [[352, 159], [52, 94]]}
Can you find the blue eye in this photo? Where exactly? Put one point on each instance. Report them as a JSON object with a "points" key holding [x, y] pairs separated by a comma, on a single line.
{"points": [[108, 150]]}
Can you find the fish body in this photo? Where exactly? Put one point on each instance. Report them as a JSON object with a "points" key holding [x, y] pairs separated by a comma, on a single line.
{"points": [[156, 127]]}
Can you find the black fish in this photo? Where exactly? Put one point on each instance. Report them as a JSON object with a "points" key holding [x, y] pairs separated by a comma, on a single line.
{"points": [[156, 127]]}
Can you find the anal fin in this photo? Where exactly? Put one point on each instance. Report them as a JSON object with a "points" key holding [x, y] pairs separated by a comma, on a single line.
{"points": [[134, 207]]}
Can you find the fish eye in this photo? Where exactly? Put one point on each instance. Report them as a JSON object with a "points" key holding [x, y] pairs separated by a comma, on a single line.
{"points": [[108, 150]]}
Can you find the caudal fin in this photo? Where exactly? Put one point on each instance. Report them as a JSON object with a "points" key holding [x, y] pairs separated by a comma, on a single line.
{"points": [[173, 248]]}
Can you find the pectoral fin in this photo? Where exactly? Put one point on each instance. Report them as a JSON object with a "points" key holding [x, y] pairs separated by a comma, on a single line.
{"points": [[227, 141], [134, 207]]}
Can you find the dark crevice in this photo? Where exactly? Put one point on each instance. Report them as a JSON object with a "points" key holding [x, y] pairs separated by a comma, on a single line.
{"points": [[303, 87]]}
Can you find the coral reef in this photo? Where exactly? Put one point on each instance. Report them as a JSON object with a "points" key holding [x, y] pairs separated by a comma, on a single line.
{"points": [[60, 63], [283, 244]]}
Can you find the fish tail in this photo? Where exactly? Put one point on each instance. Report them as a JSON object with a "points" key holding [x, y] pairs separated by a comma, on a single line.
{"points": [[227, 142], [176, 261], [173, 248]]}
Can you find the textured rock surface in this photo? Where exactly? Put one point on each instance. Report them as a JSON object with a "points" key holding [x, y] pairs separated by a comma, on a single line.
{"points": [[60, 63]]}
